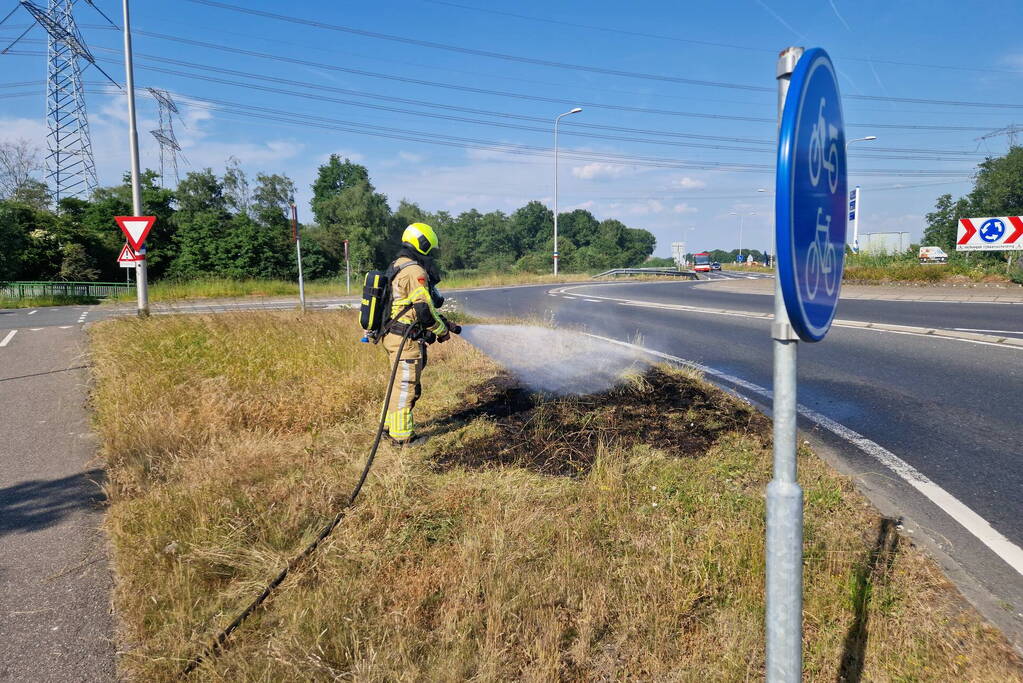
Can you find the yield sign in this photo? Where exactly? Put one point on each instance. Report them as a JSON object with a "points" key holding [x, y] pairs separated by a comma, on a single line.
{"points": [[128, 257], [135, 228]]}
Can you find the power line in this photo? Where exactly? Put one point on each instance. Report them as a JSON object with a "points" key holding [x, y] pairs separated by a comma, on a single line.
{"points": [[574, 67], [731, 46], [529, 97]]}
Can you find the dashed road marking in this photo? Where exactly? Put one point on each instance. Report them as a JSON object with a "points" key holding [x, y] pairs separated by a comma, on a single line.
{"points": [[33, 312], [66, 327], [8, 338], [593, 301], [34, 329], [979, 527]]}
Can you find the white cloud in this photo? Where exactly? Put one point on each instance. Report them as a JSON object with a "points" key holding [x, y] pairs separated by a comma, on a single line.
{"points": [[597, 171], [411, 158], [646, 208], [684, 208], [687, 183]]}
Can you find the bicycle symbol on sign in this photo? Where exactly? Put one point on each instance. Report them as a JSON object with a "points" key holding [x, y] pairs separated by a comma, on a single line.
{"points": [[820, 260], [821, 257], [822, 134]]}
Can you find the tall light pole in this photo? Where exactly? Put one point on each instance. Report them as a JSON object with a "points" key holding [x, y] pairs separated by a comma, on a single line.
{"points": [[854, 199], [141, 275], [741, 215], [557, 120]]}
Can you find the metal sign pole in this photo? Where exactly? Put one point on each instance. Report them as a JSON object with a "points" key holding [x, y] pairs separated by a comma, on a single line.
{"points": [[298, 253], [348, 271], [784, 545], [141, 277]]}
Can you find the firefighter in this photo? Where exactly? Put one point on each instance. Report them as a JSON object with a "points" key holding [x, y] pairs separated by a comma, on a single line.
{"points": [[414, 302]]}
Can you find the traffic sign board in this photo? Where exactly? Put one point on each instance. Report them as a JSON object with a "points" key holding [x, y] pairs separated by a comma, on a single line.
{"points": [[135, 228], [128, 258], [812, 198], [1001, 233]]}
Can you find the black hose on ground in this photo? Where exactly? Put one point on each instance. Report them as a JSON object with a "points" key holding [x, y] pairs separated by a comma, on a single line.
{"points": [[222, 637]]}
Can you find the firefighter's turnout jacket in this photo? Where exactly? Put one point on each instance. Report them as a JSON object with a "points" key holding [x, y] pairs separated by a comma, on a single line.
{"points": [[411, 304]]}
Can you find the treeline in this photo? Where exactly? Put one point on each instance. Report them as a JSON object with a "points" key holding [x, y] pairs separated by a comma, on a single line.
{"points": [[234, 226]]}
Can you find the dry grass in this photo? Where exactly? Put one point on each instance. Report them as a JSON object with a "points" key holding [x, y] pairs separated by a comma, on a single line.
{"points": [[231, 439]]}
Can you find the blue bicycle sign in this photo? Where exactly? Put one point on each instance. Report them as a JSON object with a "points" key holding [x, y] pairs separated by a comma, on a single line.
{"points": [[812, 196]]}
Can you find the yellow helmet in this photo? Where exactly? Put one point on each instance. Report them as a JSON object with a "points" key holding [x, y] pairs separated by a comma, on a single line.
{"points": [[420, 237]]}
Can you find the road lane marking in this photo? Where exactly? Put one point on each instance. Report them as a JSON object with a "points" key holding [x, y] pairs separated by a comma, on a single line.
{"points": [[33, 312], [1003, 342], [34, 329], [972, 329], [593, 301], [66, 327], [8, 338], [979, 527]]}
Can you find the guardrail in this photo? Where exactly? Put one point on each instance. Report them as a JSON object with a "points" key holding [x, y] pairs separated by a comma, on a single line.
{"points": [[96, 290], [672, 272]]}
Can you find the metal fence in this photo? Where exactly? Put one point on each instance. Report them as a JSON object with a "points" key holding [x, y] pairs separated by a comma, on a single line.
{"points": [[671, 272], [96, 290]]}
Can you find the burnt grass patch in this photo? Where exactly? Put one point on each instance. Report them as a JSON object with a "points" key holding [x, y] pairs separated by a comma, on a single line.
{"points": [[561, 435]]}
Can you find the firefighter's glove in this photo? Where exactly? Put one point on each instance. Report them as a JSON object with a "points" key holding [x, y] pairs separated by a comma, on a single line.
{"points": [[444, 337], [429, 337]]}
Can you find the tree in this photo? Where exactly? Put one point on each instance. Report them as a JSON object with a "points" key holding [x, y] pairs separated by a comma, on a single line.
{"points": [[75, 264], [19, 160], [347, 206], [943, 222], [201, 220]]}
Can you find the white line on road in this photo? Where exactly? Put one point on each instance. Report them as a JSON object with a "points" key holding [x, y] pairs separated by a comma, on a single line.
{"points": [[593, 301], [953, 507], [33, 311], [972, 329], [8, 338], [66, 327], [873, 327]]}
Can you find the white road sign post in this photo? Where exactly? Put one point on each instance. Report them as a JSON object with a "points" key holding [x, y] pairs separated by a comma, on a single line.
{"points": [[298, 253], [854, 217]]}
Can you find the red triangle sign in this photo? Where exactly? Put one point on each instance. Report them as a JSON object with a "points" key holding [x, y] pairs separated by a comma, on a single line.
{"points": [[128, 256], [135, 228]]}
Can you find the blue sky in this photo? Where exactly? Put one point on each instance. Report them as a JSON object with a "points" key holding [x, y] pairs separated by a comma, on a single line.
{"points": [[686, 167]]}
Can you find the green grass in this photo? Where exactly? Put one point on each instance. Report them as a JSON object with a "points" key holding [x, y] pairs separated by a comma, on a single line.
{"points": [[43, 301], [248, 431], [902, 268]]}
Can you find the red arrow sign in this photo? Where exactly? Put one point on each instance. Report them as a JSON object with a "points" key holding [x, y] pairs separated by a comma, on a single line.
{"points": [[135, 228], [970, 230], [1017, 223]]}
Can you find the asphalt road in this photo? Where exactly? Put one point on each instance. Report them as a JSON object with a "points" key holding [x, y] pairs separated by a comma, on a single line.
{"points": [[55, 619], [949, 408]]}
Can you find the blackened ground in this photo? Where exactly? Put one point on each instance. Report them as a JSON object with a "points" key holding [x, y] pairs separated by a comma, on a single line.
{"points": [[560, 436]]}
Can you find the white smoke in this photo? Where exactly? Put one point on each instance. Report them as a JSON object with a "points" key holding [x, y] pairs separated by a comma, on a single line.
{"points": [[555, 361]]}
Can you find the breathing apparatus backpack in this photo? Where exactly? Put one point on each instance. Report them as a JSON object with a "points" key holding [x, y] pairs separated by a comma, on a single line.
{"points": [[375, 307]]}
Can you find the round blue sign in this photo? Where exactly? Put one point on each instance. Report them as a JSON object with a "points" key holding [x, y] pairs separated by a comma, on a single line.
{"points": [[811, 196], [992, 230]]}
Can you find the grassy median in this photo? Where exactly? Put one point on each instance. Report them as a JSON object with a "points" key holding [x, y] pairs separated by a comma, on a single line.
{"points": [[588, 538]]}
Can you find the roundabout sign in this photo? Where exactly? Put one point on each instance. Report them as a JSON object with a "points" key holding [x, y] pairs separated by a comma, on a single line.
{"points": [[811, 196]]}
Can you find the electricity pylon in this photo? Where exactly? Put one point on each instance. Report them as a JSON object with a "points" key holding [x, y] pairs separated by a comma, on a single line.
{"points": [[70, 169], [169, 146]]}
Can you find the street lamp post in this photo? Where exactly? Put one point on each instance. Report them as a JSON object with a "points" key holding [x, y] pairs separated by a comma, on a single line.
{"points": [[557, 120], [741, 215], [856, 196]]}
